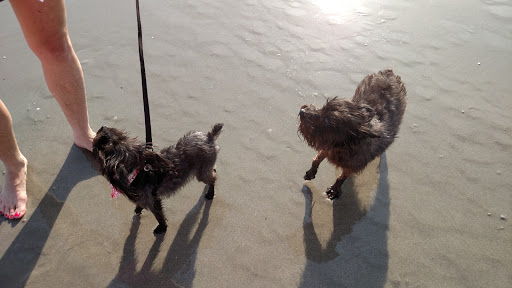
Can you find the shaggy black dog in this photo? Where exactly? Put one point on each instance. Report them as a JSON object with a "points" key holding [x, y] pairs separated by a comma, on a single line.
{"points": [[145, 176], [351, 133]]}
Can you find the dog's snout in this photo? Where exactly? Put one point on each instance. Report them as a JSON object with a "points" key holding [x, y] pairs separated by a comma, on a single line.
{"points": [[102, 128], [303, 110]]}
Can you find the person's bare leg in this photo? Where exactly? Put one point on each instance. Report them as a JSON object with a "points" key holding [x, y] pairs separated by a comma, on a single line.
{"points": [[45, 29], [13, 198]]}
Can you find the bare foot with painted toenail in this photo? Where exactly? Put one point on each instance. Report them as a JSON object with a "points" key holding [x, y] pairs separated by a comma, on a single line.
{"points": [[13, 198]]}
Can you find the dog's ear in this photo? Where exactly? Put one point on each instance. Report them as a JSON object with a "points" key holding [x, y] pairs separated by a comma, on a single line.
{"points": [[367, 124], [101, 142], [98, 150], [107, 153], [113, 159]]}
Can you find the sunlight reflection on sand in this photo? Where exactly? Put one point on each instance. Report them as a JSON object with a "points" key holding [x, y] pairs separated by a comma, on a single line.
{"points": [[340, 11]]}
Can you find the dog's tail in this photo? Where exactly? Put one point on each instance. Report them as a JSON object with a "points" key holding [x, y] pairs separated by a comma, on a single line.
{"points": [[214, 134]]}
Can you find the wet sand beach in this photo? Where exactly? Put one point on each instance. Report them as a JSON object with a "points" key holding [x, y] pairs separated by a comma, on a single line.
{"points": [[433, 211]]}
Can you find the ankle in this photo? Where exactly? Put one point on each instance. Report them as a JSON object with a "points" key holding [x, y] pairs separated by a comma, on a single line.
{"points": [[17, 164]]}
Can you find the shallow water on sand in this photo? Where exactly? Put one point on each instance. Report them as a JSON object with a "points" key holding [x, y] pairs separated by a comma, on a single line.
{"points": [[422, 220]]}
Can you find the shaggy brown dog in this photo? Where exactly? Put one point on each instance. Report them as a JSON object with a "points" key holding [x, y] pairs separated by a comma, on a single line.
{"points": [[145, 176], [351, 133]]}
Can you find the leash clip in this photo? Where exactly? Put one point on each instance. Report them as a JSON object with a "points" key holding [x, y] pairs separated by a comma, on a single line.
{"points": [[147, 168]]}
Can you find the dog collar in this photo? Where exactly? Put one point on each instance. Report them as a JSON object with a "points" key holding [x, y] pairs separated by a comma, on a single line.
{"points": [[115, 192]]}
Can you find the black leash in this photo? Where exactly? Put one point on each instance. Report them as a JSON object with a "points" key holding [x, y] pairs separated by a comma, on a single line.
{"points": [[147, 119], [148, 169]]}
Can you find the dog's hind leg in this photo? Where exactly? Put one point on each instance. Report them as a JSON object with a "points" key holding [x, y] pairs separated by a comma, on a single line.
{"points": [[311, 173], [211, 186], [156, 209], [211, 191], [208, 176]]}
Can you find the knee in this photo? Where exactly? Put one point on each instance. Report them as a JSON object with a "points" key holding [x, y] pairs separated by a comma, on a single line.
{"points": [[51, 48]]}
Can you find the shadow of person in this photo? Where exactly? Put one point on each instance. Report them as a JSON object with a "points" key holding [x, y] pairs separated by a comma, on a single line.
{"points": [[356, 254], [22, 255], [178, 269]]}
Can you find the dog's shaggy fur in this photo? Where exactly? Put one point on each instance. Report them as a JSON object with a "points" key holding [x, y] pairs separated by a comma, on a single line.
{"points": [[160, 174], [351, 133]]}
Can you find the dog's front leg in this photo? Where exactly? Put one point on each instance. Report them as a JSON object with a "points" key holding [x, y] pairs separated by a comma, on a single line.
{"points": [[156, 209], [138, 209], [334, 191], [311, 173]]}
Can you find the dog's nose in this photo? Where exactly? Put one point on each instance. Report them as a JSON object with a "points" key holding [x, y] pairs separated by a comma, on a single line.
{"points": [[102, 127], [302, 111]]}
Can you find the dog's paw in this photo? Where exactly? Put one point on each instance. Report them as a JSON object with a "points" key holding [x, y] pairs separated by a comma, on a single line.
{"points": [[333, 193], [160, 229], [310, 175], [138, 210]]}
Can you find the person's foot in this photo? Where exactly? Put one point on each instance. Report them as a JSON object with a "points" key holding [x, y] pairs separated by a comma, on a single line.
{"points": [[13, 198], [85, 141]]}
